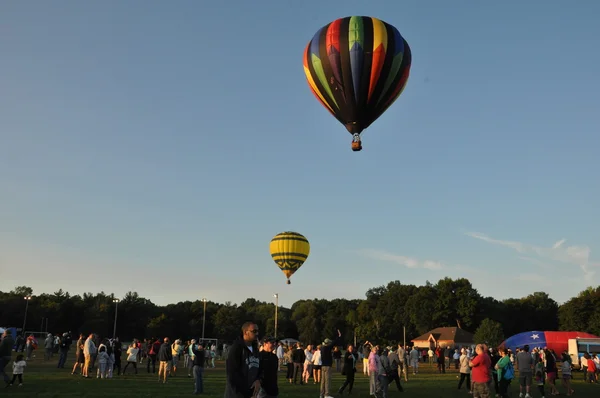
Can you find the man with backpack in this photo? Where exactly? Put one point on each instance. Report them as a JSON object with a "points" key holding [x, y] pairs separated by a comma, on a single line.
{"points": [[505, 372]]}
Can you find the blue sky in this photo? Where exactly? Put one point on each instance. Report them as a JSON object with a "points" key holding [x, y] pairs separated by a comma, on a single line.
{"points": [[158, 147]]}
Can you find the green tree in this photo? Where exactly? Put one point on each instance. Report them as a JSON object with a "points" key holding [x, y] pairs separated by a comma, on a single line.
{"points": [[228, 321], [581, 313], [308, 319], [422, 306], [22, 291], [489, 332]]}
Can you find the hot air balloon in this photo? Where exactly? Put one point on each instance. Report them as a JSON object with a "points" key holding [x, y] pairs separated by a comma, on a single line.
{"points": [[289, 251], [357, 67], [556, 340]]}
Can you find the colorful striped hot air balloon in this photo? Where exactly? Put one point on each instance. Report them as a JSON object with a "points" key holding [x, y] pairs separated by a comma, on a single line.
{"points": [[357, 67], [289, 251]]}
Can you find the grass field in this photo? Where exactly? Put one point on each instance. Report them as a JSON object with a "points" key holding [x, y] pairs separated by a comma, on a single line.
{"points": [[43, 379]]}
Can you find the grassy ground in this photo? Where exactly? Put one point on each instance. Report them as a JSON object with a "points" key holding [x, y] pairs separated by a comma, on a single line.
{"points": [[43, 379]]}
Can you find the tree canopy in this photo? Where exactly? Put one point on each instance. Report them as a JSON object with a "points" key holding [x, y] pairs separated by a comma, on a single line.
{"points": [[380, 316]]}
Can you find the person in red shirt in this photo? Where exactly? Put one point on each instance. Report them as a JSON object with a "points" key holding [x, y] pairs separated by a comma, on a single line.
{"points": [[480, 372], [441, 361]]}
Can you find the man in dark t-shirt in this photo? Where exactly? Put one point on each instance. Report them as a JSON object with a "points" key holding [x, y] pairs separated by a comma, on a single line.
{"points": [[268, 369]]}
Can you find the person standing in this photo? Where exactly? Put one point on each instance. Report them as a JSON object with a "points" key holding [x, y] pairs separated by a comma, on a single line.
{"points": [[89, 350], [64, 346], [242, 364], [414, 360], [366, 351], [18, 368], [280, 354], [394, 374], [79, 357], [153, 349], [525, 365], [197, 360], [165, 357], [465, 370], [5, 354], [382, 373], [349, 369], [269, 365], [403, 364], [480, 373], [327, 362], [298, 357]]}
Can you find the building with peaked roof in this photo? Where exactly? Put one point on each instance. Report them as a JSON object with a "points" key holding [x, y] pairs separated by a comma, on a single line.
{"points": [[452, 337]]}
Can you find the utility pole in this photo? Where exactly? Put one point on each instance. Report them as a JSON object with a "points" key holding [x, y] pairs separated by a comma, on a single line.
{"points": [[27, 298], [276, 295], [116, 301], [203, 319], [404, 329]]}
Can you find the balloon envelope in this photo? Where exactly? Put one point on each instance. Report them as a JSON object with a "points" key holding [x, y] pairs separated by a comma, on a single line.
{"points": [[558, 341], [289, 250], [357, 67]]}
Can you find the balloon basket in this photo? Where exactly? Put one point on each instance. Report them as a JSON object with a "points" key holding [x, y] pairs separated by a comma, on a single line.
{"points": [[288, 282], [356, 146]]}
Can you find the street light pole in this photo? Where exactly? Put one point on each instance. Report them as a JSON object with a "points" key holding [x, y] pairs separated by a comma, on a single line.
{"points": [[276, 295], [116, 301], [27, 298], [203, 318]]}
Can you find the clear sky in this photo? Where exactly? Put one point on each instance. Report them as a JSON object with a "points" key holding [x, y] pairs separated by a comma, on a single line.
{"points": [[158, 146]]}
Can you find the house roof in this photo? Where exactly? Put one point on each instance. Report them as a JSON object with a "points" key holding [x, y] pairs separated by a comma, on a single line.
{"points": [[448, 333]]}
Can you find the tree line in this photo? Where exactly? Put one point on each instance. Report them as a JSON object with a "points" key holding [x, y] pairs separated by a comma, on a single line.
{"points": [[382, 316]]}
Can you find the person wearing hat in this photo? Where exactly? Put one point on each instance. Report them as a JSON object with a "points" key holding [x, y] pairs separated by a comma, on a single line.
{"points": [[327, 361], [242, 364], [176, 350], [269, 365]]}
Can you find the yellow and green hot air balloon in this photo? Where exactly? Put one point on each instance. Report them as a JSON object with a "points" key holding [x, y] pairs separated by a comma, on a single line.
{"points": [[289, 251]]}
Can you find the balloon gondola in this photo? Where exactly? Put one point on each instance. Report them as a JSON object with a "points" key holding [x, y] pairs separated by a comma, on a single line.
{"points": [[357, 67], [289, 250]]}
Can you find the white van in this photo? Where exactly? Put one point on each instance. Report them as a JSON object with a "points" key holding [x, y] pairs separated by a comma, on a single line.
{"points": [[579, 346]]}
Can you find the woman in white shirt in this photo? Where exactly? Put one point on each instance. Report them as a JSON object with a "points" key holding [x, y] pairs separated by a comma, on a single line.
{"points": [[132, 355], [316, 361]]}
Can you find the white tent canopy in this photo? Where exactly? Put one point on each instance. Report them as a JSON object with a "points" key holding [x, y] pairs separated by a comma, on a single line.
{"points": [[288, 341]]}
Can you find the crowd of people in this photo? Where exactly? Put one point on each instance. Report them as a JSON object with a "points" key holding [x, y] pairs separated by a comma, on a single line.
{"points": [[104, 356], [484, 371], [252, 365]]}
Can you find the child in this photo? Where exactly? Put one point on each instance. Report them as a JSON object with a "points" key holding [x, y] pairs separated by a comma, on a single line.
{"points": [[102, 362], [111, 361], [539, 375], [591, 368], [566, 372], [18, 369]]}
